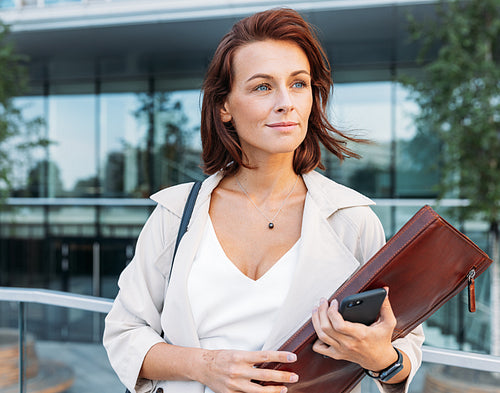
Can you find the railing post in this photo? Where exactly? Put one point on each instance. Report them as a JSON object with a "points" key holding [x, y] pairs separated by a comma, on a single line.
{"points": [[21, 325], [96, 285]]}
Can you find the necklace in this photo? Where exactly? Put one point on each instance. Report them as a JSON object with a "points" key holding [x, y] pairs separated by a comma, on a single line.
{"points": [[271, 221]]}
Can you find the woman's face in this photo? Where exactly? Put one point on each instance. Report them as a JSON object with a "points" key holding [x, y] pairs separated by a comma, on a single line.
{"points": [[270, 99]]}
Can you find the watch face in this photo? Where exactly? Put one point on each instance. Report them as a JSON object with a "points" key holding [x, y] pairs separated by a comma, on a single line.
{"points": [[373, 374]]}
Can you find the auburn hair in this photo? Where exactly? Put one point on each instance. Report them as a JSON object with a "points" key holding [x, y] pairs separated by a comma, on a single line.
{"points": [[220, 143]]}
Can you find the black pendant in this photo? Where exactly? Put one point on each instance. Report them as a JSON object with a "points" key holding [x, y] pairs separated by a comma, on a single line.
{"points": [[271, 225]]}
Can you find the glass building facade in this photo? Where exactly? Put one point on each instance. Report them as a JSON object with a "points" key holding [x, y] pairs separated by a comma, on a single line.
{"points": [[124, 121]]}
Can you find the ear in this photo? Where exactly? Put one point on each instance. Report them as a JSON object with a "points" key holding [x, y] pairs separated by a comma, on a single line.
{"points": [[225, 115]]}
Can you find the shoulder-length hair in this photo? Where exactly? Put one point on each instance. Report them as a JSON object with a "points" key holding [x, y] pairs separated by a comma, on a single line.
{"points": [[221, 147]]}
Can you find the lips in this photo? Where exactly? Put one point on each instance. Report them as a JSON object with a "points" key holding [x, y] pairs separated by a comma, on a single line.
{"points": [[283, 124]]}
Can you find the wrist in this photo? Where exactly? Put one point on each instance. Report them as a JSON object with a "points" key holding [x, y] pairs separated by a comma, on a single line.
{"points": [[391, 356], [389, 371], [200, 361], [383, 359]]}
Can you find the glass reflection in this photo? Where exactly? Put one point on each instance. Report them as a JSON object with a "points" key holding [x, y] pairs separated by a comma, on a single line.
{"points": [[177, 139], [148, 142], [417, 152], [27, 175], [7, 4], [50, 2], [72, 165], [364, 110], [122, 142]]}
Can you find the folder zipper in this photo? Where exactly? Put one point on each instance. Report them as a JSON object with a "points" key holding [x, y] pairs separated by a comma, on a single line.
{"points": [[472, 290]]}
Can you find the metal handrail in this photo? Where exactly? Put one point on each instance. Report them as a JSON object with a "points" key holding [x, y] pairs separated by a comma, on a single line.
{"points": [[435, 355], [47, 297], [134, 202], [56, 298], [77, 202], [461, 359]]}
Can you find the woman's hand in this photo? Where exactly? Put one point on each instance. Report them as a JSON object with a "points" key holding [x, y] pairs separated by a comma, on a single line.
{"points": [[368, 346], [227, 371]]}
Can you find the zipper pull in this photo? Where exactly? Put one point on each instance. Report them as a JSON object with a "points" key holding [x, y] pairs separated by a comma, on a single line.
{"points": [[472, 290]]}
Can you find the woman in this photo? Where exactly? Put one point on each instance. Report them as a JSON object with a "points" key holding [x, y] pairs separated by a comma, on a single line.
{"points": [[268, 241]]}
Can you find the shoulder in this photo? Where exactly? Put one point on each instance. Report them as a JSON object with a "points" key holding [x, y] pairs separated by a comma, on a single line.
{"points": [[174, 198], [349, 214], [332, 195]]}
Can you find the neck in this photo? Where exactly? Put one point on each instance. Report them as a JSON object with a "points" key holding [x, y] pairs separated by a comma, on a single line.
{"points": [[269, 176], [265, 183]]}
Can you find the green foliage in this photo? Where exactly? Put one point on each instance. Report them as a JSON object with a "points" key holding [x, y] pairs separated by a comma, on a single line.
{"points": [[18, 136], [459, 98]]}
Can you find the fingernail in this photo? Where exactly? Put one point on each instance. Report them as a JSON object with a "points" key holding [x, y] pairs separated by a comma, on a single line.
{"points": [[294, 378], [322, 300], [291, 357], [284, 390], [315, 309]]}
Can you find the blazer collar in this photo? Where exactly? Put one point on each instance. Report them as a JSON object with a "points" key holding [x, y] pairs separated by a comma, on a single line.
{"points": [[320, 188], [174, 198], [330, 196]]}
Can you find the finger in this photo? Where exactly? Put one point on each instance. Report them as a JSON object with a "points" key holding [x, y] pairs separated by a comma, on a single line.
{"points": [[326, 334], [321, 348], [254, 387], [268, 375], [271, 357], [336, 319], [324, 320], [315, 319], [341, 329], [386, 312], [321, 322], [327, 350]]}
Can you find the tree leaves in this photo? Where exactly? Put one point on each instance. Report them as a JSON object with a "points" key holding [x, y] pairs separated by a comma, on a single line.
{"points": [[459, 97], [13, 82]]}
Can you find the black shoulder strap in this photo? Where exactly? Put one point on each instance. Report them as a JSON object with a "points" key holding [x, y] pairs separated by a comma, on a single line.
{"points": [[186, 215]]}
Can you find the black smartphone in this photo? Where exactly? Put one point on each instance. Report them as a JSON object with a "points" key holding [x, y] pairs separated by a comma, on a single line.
{"points": [[363, 307]]}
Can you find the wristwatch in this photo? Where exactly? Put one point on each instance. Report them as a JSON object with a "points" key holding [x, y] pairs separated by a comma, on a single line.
{"points": [[388, 372]]}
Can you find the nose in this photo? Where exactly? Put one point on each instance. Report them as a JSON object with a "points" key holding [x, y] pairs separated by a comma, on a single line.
{"points": [[284, 103]]}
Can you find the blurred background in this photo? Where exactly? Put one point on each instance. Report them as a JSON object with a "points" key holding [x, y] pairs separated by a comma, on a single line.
{"points": [[110, 112]]}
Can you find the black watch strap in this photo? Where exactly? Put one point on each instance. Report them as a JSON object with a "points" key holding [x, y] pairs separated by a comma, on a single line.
{"points": [[390, 371]]}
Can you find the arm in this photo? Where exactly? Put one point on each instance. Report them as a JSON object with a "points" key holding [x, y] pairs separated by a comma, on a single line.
{"points": [[138, 353], [133, 325], [221, 370]]}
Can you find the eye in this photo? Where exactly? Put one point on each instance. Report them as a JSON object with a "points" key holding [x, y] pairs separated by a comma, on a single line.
{"points": [[300, 84], [262, 87]]}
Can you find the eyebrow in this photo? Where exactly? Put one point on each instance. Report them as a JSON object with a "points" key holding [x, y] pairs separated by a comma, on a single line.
{"points": [[267, 76]]}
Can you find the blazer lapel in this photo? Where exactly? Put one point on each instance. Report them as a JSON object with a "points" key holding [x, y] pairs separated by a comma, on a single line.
{"points": [[177, 318], [324, 264]]}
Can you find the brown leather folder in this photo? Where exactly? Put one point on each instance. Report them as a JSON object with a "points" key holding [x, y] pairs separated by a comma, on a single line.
{"points": [[424, 264]]}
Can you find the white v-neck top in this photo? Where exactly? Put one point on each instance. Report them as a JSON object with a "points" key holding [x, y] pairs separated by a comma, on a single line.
{"points": [[231, 310]]}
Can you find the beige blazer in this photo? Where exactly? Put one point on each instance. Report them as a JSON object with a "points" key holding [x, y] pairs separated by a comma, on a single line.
{"points": [[339, 233]]}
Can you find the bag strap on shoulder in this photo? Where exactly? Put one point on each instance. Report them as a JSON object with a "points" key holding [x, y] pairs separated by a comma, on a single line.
{"points": [[186, 216]]}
